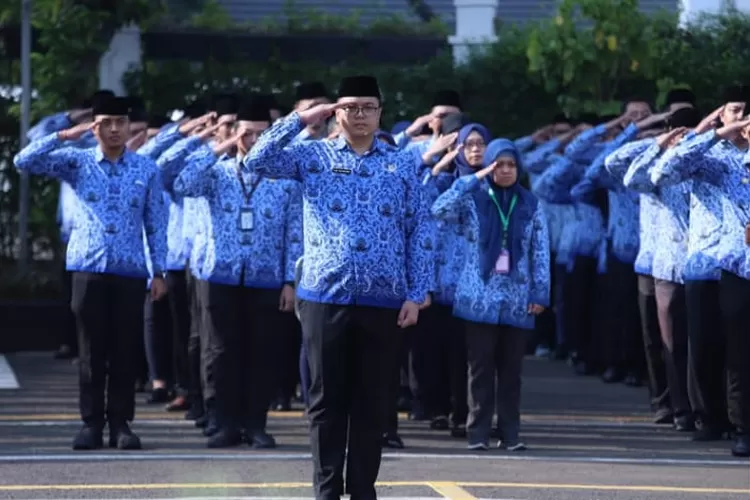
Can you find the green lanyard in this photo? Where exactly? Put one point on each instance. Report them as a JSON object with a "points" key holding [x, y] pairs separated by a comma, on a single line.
{"points": [[504, 219]]}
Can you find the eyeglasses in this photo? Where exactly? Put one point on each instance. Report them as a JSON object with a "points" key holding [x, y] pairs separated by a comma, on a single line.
{"points": [[353, 109], [474, 144]]}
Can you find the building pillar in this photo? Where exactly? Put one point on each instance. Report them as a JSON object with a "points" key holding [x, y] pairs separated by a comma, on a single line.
{"points": [[124, 54], [475, 27]]}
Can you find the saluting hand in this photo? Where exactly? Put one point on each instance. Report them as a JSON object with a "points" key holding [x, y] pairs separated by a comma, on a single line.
{"points": [[75, 133], [409, 314], [318, 113], [671, 138]]}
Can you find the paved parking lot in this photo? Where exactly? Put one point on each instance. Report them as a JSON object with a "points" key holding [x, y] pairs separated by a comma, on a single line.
{"points": [[586, 440]]}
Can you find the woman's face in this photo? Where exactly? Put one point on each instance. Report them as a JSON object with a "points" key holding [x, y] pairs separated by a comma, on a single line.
{"points": [[474, 147], [505, 173]]}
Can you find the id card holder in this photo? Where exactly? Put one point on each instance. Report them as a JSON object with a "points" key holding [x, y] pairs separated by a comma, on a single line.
{"points": [[246, 219], [747, 234], [502, 264]]}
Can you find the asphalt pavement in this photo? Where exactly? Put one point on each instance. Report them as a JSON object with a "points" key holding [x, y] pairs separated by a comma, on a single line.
{"points": [[587, 440]]}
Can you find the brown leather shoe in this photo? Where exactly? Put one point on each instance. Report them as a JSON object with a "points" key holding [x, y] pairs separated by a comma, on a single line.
{"points": [[179, 403]]}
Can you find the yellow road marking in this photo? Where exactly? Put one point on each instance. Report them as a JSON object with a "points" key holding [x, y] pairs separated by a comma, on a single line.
{"points": [[606, 487], [451, 491]]}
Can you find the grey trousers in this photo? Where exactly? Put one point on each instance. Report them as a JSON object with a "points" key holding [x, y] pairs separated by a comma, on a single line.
{"points": [[491, 350]]}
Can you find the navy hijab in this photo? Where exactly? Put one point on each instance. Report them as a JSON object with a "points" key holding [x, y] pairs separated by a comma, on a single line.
{"points": [[462, 166], [490, 224]]}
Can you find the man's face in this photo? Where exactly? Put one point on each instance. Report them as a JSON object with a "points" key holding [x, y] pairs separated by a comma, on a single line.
{"points": [[224, 131], [637, 110], [732, 112], [359, 116], [112, 131], [137, 127], [252, 132]]}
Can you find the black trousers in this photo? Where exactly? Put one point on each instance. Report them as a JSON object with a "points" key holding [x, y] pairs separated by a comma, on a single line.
{"points": [[622, 339], [545, 326], [735, 314], [289, 372], [69, 335], [179, 309], [446, 391], [494, 350], [109, 315], [157, 339], [244, 325], [672, 309], [653, 346], [353, 353], [581, 317], [706, 353], [195, 351]]}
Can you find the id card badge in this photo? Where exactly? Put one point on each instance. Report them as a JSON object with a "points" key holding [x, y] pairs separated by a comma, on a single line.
{"points": [[246, 219], [502, 265], [747, 234]]}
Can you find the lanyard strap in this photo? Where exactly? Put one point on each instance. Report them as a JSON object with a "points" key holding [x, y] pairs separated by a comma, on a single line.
{"points": [[248, 194], [504, 219]]}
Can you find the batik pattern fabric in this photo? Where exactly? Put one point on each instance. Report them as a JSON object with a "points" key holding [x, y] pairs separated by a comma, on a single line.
{"points": [[501, 299], [116, 202], [369, 235], [255, 242]]}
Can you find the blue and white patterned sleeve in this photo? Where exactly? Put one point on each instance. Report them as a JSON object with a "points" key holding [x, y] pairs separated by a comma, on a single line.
{"points": [[454, 201], [555, 183], [619, 160], [46, 157], [274, 154], [638, 176], [585, 147], [162, 141], [539, 288], [155, 221], [420, 242], [536, 161], [195, 180], [49, 125], [682, 161], [293, 236]]}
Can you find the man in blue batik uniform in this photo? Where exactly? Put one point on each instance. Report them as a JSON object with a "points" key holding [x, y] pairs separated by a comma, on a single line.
{"points": [[119, 197], [367, 268]]}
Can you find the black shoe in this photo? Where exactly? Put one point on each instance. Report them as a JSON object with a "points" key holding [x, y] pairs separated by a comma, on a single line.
{"points": [[122, 438], [458, 431], [159, 395], [633, 380], [417, 413], [663, 416], [403, 404], [612, 376], [225, 438], [212, 424], [283, 404], [741, 445], [392, 440], [440, 423], [582, 368], [709, 433], [64, 352], [195, 412], [684, 423], [88, 438], [260, 440]]}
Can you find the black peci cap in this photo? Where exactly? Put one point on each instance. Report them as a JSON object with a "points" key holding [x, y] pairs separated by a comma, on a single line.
{"points": [[114, 106], [453, 122], [447, 98], [254, 109], [359, 86], [311, 90]]}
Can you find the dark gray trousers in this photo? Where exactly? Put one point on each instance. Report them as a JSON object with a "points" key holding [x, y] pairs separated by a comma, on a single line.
{"points": [[494, 350]]}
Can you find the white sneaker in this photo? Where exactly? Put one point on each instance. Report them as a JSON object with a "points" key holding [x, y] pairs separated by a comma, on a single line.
{"points": [[479, 446], [518, 446]]}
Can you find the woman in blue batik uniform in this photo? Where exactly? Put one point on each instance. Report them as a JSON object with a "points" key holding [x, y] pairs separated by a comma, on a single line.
{"points": [[503, 286]]}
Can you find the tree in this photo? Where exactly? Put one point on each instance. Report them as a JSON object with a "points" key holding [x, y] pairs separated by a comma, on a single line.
{"points": [[593, 50]]}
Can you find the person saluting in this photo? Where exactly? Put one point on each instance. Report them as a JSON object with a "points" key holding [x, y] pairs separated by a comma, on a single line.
{"points": [[119, 198], [367, 269]]}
